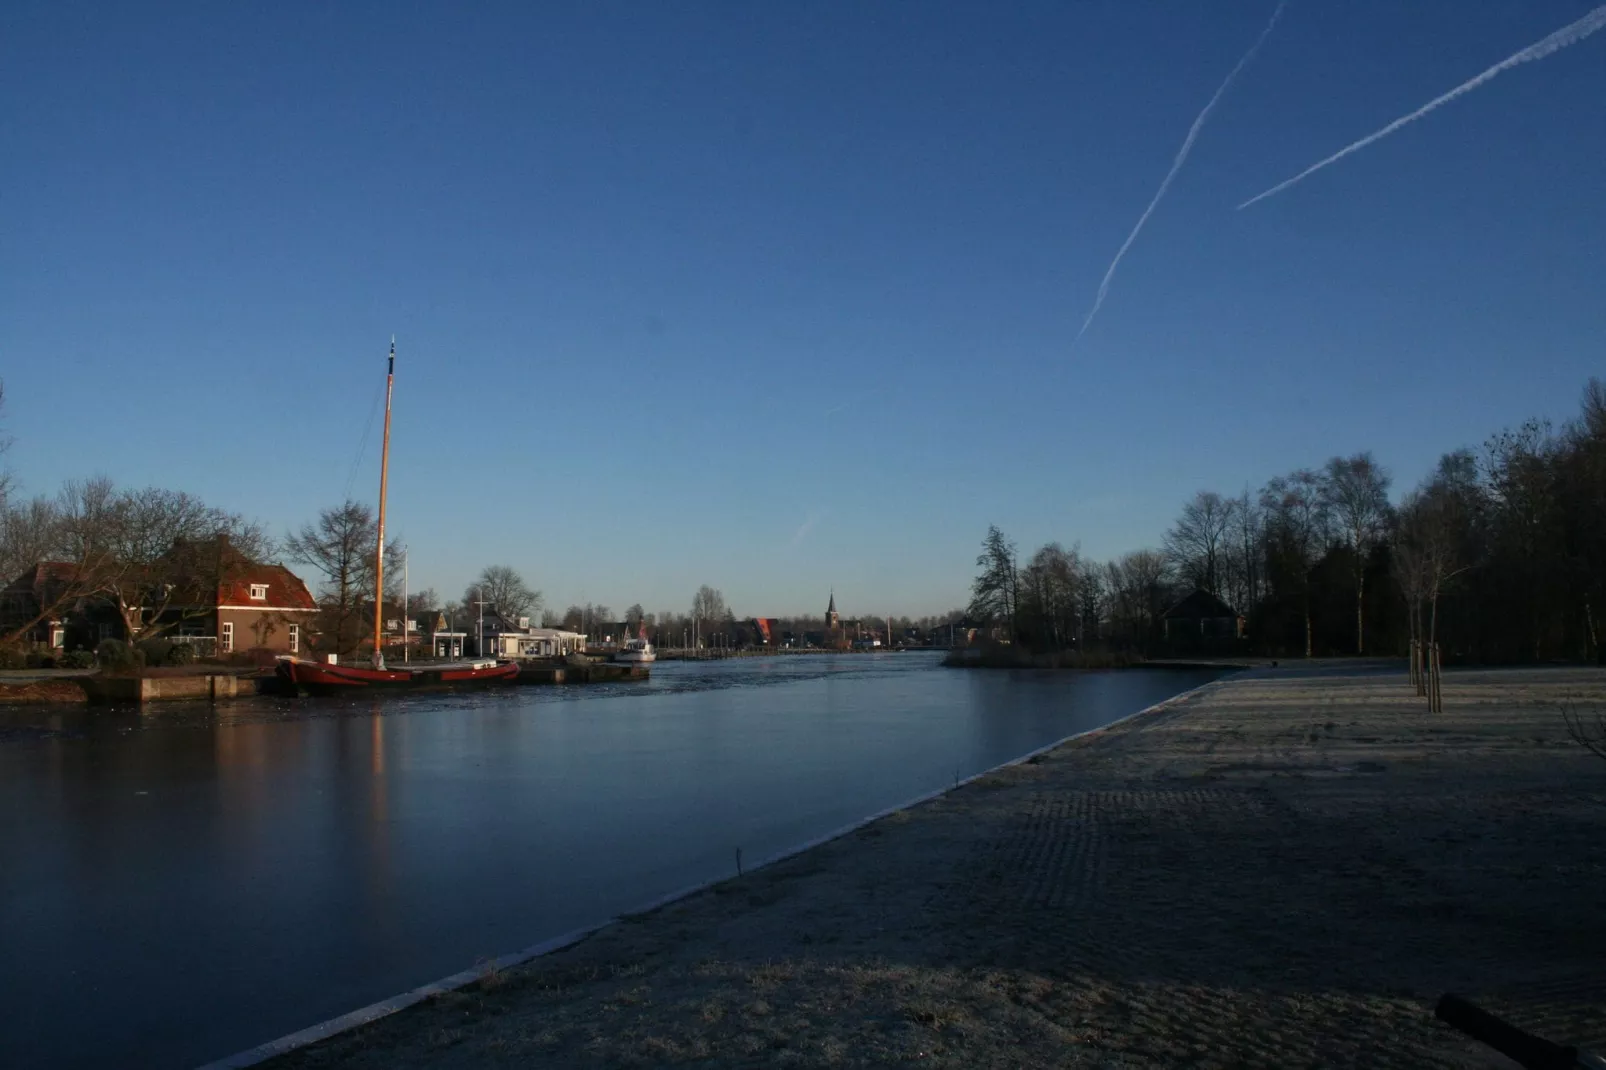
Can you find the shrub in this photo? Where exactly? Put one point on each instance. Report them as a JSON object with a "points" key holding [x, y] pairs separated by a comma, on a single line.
{"points": [[39, 660], [154, 651], [77, 659], [179, 654], [11, 658], [257, 657], [114, 655]]}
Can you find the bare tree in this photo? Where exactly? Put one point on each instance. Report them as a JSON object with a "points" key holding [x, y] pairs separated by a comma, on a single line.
{"points": [[1581, 503], [30, 532], [503, 587], [1297, 525], [1519, 470], [1049, 588], [708, 604], [5, 444], [1198, 543], [1092, 600], [155, 555], [1355, 490], [1244, 570], [1410, 566], [1138, 587], [340, 545]]}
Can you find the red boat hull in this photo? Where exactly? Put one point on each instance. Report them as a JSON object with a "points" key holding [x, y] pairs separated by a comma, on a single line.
{"points": [[319, 679]]}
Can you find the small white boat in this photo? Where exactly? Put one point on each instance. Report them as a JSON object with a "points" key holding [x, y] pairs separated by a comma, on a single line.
{"points": [[636, 651]]}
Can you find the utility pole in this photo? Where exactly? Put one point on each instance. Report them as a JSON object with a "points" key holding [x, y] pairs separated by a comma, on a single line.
{"points": [[407, 620], [479, 648]]}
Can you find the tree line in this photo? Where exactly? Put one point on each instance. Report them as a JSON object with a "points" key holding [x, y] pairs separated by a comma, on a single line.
{"points": [[151, 555], [1499, 555]]}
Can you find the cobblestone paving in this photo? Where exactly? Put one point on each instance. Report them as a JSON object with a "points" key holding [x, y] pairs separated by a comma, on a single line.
{"points": [[1284, 869]]}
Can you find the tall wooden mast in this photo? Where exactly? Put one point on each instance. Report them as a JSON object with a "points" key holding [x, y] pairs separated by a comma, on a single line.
{"points": [[379, 549]]}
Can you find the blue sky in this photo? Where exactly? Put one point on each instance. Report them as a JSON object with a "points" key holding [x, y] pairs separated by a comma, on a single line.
{"points": [[779, 296]]}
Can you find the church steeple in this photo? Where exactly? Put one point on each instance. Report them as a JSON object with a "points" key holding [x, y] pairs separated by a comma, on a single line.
{"points": [[831, 618]]}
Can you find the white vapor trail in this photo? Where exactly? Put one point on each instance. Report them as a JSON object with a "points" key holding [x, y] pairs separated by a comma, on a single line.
{"points": [[1567, 35], [1176, 165]]}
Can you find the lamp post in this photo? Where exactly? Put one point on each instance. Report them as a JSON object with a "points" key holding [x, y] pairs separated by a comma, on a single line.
{"points": [[479, 643], [406, 620]]}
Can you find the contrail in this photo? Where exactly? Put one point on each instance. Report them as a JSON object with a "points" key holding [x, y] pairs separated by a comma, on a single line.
{"points": [[803, 531], [1567, 35], [1176, 165]]}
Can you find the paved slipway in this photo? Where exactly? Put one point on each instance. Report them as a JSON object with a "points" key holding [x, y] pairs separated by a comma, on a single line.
{"points": [[1281, 869]]}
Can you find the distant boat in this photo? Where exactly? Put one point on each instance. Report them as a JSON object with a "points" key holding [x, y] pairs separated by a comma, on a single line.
{"points": [[320, 678], [637, 651]]}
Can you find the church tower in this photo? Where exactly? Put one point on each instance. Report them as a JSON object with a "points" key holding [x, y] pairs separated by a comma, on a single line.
{"points": [[832, 620]]}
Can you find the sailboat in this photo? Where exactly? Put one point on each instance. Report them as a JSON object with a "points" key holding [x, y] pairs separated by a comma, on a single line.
{"points": [[637, 651], [321, 678]]}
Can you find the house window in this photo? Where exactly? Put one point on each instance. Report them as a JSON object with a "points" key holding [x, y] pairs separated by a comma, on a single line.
{"points": [[58, 638], [225, 637], [259, 592], [295, 638]]}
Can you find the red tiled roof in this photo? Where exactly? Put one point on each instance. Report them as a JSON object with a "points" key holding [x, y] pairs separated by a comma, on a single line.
{"points": [[285, 589], [44, 572]]}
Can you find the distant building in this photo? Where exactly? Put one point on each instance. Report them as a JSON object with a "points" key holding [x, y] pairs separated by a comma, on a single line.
{"points": [[839, 633], [766, 631], [504, 638], [536, 643], [1202, 617], [26, 603]]}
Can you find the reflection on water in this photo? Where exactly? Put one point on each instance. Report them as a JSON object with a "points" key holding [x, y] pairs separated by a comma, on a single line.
{"points": [[209, 880]]}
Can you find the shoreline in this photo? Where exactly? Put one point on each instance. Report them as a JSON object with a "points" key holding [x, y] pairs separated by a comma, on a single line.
{"points": [[272, 1051], [1278, 868]]}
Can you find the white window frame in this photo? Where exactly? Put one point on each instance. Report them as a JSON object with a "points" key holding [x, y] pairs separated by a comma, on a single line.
{"points": [[295, 638], [225, 637], [259, 592]]}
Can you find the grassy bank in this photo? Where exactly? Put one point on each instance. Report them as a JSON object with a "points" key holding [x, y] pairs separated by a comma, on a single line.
{"points": [[36, 691]]}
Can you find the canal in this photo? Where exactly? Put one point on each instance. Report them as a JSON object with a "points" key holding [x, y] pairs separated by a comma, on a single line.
{"points": [[181, 885]]}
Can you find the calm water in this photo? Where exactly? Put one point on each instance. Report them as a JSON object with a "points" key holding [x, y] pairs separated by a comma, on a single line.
{"points": [[179, 887]]}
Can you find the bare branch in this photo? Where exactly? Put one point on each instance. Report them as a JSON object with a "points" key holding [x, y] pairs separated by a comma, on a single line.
{"points": [[1590, 736]]}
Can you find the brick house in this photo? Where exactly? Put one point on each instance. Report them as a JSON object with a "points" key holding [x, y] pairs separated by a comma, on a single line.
{"points": [[33, 605], [223, 603], [240, 605]]}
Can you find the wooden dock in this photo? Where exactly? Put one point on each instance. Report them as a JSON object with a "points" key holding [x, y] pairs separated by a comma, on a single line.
{"points": [[579, 671]]}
